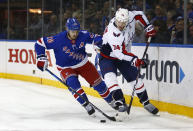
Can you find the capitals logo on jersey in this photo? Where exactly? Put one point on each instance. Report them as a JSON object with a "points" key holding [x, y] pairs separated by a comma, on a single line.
{"points": [[116, 35]]}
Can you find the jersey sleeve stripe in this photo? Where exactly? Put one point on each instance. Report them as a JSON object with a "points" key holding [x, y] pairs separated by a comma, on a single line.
{"points": [[140, 18], [43, 42], [125, 52], [40, 42]]}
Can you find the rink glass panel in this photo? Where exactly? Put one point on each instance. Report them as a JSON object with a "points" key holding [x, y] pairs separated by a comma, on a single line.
{"points": [[31, 19]]}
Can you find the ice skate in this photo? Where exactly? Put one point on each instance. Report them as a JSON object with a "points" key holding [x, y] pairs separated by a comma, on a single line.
{"points": [[121, 108], [90, 110], [151, 109]]}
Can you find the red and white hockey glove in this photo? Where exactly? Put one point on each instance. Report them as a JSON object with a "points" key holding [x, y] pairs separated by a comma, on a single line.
{"points": [[141, 62], [150, 31], [42, 63]]}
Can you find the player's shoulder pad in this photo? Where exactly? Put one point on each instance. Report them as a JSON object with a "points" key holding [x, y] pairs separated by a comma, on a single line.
{"points": [[53, 39], [87, 34]]}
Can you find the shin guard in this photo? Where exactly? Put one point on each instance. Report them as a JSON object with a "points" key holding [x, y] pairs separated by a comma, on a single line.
{"points": [[74, 83], [143, 97], [104, 92]]}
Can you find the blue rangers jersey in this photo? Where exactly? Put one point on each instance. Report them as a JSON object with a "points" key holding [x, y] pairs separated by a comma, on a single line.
{"points": [[67, 52]]}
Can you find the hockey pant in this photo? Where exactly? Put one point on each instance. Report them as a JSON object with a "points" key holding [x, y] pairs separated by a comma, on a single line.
{"points": [[90, 74], [109, 71]]}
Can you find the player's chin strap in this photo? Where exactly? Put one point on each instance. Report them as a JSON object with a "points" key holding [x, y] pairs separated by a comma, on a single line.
{"points": [[107, 116], [134, 88]]}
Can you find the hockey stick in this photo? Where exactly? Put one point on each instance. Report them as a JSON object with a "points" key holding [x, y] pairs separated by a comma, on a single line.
{"points": [[134, 88], [107, 116]]}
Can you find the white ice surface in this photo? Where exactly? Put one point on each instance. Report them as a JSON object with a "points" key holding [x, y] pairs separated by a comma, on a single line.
{"points": [[32, 107]]}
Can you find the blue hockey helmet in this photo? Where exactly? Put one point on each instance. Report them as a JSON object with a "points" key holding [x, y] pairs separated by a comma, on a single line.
{"points": [[72, 24]]}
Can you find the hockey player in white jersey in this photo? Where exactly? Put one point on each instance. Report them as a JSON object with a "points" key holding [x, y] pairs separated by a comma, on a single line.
{"points": [[115, 53]]}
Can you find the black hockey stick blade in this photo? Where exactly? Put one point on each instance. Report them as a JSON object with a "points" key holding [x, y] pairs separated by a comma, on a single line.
{"points": [[107, 116]]}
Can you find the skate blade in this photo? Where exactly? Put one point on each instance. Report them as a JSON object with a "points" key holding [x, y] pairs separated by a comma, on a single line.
{"points": [[93, 115], [157, 114]]}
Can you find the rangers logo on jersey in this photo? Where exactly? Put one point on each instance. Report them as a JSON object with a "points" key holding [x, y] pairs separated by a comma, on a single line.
{"points": [[64, 48], [71, 53], [68, 51]]}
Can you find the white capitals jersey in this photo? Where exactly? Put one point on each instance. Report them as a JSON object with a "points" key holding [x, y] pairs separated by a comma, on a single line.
{"points": [[117, 44]]}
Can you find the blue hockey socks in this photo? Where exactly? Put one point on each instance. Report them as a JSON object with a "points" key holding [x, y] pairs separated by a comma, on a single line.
{"points": [[104, 92], [74, 83]]}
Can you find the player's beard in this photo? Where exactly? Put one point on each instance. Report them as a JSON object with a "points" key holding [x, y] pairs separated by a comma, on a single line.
{"points": [[72, 37], [120, 25], [121, 28]]}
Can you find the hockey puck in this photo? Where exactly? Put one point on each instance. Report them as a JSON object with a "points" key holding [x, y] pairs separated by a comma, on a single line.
{"points": [[103, 121]]}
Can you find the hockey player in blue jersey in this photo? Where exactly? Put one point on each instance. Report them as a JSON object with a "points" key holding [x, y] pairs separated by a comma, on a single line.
{"points": [[72, 61]]}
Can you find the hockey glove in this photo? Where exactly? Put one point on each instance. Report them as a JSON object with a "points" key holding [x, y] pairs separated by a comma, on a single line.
{"points": [[150, 31], [141, 62], [42, 63]]}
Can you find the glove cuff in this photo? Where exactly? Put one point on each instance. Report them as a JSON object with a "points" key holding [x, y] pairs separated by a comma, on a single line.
{"points": [[149, 28]]}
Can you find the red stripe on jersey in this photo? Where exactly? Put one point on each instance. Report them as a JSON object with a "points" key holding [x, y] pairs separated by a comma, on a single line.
{"points": [[59, 68], [105, 94], [106, 30], [113, 86], [125, 52], [140, 87], [139, 17], [40, 41], [80, 91], [108, 57]]}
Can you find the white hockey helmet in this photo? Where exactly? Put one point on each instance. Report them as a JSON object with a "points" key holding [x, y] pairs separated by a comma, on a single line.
{"points": [[122, 15]]}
